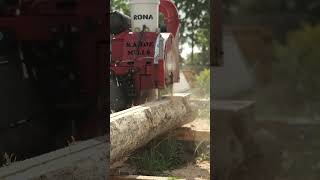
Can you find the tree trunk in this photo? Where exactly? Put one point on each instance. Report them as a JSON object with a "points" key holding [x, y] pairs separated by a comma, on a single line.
{"points": [[132, 128]]}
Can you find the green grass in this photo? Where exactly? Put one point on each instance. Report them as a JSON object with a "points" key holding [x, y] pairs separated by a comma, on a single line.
{"points": [[202, 151], [158, 157], [8, 159]]}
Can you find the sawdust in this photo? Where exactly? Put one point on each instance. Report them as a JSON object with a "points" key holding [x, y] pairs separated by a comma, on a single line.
{"points": [[199, 124]]}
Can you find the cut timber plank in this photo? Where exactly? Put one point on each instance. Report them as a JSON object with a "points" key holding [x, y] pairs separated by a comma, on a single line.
{"points": [[135, 127], [83, 160], [188, 134], [133, 177]]}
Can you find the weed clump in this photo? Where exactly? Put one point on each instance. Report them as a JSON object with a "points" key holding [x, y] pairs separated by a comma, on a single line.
{"points": [[8, 159], [158, 157]]}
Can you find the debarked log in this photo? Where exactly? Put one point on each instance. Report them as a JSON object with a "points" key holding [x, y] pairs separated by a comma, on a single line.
{"points": [[135, 127]]}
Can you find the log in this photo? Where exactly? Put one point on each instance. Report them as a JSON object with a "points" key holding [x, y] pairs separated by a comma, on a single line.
{"points": [[135, 127], [83, 160]]}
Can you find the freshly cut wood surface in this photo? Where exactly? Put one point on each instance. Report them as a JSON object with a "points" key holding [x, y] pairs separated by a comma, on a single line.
{"points": [[132, 128], [188, 134]]}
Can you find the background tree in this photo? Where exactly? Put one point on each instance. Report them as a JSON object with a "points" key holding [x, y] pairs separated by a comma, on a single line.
{"points": [[199, 62], [308, 8], [195, 24], [120, 5], [203, 82], [297, 66]]}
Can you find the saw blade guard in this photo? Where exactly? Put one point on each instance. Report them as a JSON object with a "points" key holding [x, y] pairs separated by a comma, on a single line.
{"points": [[166, 58]]}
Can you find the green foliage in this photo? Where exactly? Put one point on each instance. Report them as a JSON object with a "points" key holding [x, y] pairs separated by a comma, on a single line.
{"points": [[120, 5], [259, 6], [158, 157], [297, 63], [195, 17], [309, 7], [199, 62], [203, 82], [203, 151], [195, 24]]}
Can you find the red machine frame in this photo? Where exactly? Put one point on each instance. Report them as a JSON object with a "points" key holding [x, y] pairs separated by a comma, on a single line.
{"points": [[133, 55]]}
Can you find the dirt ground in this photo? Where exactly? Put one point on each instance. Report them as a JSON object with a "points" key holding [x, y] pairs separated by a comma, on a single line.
{"points": [[194, 170], [199, 170]]}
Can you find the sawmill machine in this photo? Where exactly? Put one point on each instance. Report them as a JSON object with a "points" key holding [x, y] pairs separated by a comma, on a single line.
{"points": [[144, 52], [53, 69]]}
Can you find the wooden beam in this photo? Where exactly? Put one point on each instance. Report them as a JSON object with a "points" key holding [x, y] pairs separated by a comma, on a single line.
{"points": [[188, 134]]}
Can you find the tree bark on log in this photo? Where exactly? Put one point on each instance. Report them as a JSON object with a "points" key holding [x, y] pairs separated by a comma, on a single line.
{"points": [[132, 128]]}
